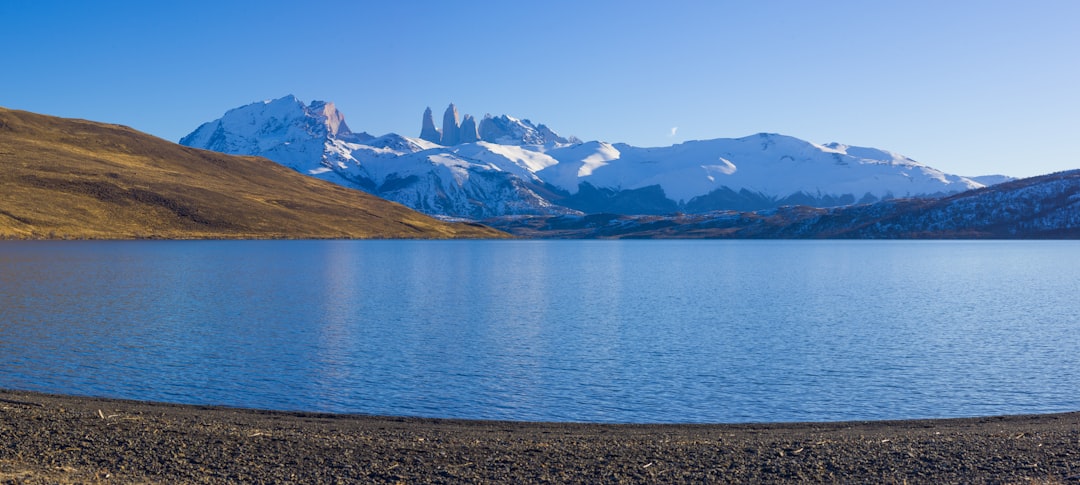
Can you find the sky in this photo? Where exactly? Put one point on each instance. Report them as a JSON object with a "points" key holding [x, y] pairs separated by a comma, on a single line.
{"points": [[971, 88]]}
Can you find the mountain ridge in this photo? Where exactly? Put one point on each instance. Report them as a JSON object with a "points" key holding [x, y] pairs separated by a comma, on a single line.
{"points": [[1042, 207], [515, 167]]}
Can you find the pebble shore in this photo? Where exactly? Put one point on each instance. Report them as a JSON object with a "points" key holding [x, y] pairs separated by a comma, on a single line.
{"points": [[50, 439]]}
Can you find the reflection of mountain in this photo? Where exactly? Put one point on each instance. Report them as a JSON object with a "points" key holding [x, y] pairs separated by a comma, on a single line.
{"points": [[1039, 207], [340, 312], [504, 166]]}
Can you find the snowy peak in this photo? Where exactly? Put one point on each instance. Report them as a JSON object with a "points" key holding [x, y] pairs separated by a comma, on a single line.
{"points": [[285, 130], [763, 170], [507, 130], [868, 153], [398, 144], [263, 125]]}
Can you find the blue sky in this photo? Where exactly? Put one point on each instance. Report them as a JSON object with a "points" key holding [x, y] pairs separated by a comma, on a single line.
{"points": [[967, 87]]}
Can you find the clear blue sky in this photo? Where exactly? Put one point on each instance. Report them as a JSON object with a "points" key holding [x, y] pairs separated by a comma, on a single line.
{"points": [[967, 87]]}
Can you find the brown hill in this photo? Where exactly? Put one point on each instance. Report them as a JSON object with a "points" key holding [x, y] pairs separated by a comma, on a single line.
{"points": [[66, 178]]}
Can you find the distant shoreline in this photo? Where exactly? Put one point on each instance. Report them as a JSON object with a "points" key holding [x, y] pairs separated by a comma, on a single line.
{"points": [[69, 439]]}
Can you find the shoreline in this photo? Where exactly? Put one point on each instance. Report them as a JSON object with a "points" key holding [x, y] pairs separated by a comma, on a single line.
{"points": [[47, 438]]}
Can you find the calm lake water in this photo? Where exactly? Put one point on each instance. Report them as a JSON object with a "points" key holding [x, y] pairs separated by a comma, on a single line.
{"points": [[600, 331]]}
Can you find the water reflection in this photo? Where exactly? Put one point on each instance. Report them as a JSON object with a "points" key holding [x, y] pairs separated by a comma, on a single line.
{"points": [[548, 330]]}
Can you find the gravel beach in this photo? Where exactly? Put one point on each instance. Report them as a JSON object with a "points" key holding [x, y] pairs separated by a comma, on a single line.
{"points": [[46, 439]]}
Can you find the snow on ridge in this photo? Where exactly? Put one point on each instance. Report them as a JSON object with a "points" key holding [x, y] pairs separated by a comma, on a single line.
{"points": [[988, 180], [479, 177], [766, 163], [519, 160], [577, 162]]}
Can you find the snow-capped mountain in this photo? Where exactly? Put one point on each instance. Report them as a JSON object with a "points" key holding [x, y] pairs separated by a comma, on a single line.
{"points": [[506, 166], [283, 130]]}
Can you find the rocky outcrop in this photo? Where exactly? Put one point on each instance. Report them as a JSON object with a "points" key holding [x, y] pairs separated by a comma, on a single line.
{"points": [[335, 121], [549, 136], [469, 133], [501, 129], [451, 127], [428, 131]]}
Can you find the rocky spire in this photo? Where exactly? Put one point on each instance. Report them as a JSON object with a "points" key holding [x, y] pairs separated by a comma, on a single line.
{"points": [[468, 130], [451, 127], [428, 131]]}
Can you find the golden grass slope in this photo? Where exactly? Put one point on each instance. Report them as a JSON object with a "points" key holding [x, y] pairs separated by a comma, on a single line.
{"points": [[66, 178]]}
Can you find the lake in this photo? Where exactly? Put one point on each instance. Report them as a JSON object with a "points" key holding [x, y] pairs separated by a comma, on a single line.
{"points": [[595, 331]]}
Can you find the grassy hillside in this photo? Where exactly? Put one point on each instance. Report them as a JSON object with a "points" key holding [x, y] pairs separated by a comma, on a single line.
{"points": [[65, 178]]}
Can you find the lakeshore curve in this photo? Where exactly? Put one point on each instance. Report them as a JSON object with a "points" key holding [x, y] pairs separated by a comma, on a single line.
{"points": [[47, 439]]}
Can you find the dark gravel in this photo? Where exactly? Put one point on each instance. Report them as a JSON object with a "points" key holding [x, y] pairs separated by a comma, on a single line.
{"points": [[47, 439]]}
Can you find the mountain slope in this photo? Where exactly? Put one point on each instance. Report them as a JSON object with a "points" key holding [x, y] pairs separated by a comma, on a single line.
{"points": [[1046, 206], [80, 179], [489, 180], [508, 166], [1041, 207]]}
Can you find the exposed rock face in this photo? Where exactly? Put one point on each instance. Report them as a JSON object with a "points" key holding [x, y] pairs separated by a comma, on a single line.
{"points": [[335, 121], [550, 136], [493, 131], [502, 129], [428, 131], [451, 127], [468, 130]]}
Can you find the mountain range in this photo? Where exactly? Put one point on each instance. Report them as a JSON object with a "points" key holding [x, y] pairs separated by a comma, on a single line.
{"points": [[67, 178], [1043, 207], [503, 165]]}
